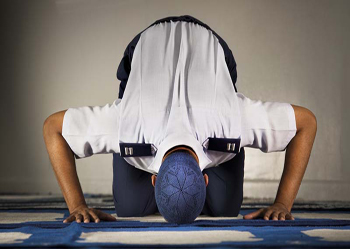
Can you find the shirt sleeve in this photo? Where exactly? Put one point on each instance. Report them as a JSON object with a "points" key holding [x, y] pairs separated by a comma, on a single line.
{"points": [[92, 130], [268, 126]]}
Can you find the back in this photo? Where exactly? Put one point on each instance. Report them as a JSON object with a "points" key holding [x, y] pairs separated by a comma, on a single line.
{"points": [[179, 84]]}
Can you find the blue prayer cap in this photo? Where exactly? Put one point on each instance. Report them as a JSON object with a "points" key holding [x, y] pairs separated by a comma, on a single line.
{"points": [[180, 188]]}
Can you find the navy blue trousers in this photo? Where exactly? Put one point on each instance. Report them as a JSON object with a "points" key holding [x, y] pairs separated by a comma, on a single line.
{"points": [[133, 192]]}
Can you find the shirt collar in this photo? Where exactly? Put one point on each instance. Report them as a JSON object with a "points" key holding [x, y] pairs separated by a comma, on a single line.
{"points": [[179, 139]]}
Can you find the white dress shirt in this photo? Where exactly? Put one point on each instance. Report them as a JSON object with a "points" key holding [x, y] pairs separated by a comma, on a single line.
{"points": [[179, 92]]}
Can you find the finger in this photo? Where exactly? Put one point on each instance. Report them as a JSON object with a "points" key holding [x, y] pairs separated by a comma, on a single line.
{"points": [[282, 216], [267, 214], [94, 216], [274, 216], [289, 217], [254, 214], [78, 218], [105, 216], [86, 216], [69, 219]]}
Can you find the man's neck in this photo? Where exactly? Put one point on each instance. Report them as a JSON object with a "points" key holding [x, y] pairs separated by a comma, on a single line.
{"points": [[182, 148]]}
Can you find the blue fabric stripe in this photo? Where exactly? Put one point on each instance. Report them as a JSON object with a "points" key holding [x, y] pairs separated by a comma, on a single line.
{"points": [[200, 223], [272, 236], [270, 233]]}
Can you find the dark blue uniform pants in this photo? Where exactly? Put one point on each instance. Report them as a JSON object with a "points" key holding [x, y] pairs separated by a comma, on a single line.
{"points": [[133, 192]]}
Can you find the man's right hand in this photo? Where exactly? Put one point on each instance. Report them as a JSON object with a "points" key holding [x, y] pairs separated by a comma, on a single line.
{"points": [[63, 162], [83, 213]]}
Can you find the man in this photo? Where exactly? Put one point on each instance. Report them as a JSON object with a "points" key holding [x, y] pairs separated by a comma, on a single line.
{"points": [[180, 119]]}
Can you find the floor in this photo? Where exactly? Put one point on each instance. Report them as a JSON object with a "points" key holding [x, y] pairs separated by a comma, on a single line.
{"points": [[36, 221]]}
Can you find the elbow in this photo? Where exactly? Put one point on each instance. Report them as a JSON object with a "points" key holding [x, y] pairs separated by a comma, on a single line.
{"points": [[47, 126], [53, 124], [310, 121], [313, 121], [305, 119]]}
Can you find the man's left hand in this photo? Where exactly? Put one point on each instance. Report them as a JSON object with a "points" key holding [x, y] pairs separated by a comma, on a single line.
{"points": [[277, 211]]}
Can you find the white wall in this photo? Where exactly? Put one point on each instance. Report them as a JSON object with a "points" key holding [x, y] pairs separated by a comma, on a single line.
{"points": [[65, 53]]}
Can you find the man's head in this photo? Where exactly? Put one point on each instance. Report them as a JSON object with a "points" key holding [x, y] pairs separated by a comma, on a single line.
{"points": [[180, 186]]}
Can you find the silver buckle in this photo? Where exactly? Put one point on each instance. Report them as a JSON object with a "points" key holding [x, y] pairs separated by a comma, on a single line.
{"points": [[231, 146], [129, 151]]}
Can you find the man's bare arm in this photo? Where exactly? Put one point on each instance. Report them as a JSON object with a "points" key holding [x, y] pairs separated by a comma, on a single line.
{"points": [[63, 163], [297, 157]]}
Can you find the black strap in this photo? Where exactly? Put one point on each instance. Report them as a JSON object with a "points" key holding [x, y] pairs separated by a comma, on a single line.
{"points": [[230, 145], [135, 149]]}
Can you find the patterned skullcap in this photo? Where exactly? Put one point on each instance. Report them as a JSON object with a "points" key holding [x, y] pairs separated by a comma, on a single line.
{"points": [[180, 188]]}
